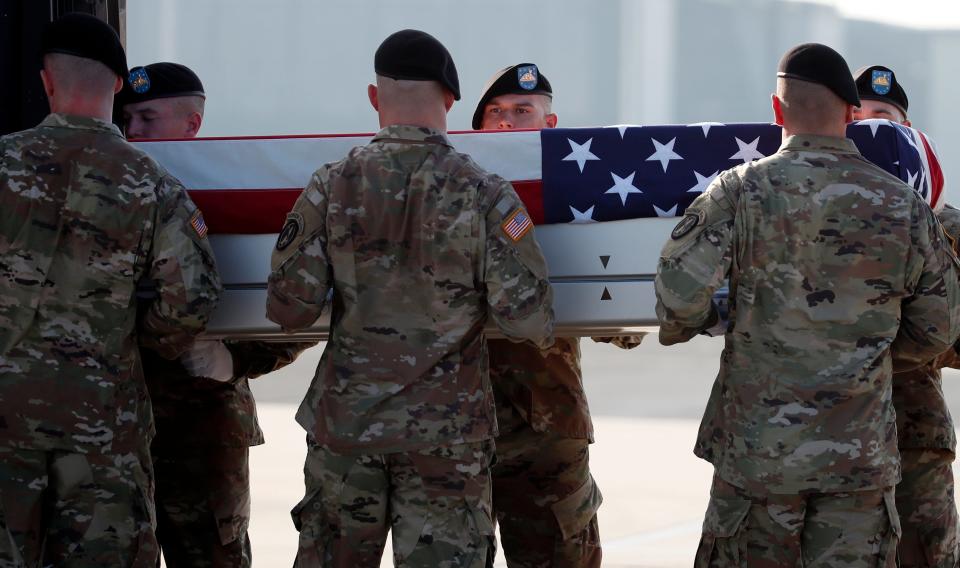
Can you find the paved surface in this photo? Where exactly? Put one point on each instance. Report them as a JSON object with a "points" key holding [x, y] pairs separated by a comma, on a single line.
{"points": [[646, 404]]}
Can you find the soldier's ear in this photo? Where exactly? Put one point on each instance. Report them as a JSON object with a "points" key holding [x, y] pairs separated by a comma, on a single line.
{"points": [[849, 116], [47, 84], [194, 121], [906, 122], [777, 110], [551, 120], [117, 85], [448, 99], [374, 97]]}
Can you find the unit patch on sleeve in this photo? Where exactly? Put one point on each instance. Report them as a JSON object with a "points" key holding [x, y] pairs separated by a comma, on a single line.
{"points": [[291, 230], [687, 224], [517, 224]]}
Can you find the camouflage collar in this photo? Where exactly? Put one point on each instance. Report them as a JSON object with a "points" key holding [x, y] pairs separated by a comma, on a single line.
{"points": [[56, 120], [809, 142], [412, 134]]}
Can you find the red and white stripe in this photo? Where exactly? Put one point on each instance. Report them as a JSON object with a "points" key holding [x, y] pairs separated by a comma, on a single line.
{"points": [[246, 185]]}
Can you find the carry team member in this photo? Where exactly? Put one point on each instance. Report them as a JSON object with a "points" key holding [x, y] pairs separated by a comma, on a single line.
{"points": [[839, 276], [544, 496], [420, 247], [925, 431], [205, 427], [84, 218]]}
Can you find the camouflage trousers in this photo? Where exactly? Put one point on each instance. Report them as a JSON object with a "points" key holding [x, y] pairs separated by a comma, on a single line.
{"points": [[75, 510], [544, 497], [203, 506], [436, 502], [842, 530], [928, 512]]}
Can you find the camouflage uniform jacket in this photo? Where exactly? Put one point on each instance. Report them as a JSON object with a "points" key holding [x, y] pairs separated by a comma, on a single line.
{"points": [[544, 385], [923, 419], [838, 276], [202, 413], [419, 246], [84, 217]]}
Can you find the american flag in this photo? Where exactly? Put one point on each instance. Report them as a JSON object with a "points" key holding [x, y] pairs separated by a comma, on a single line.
{"points": [[608, 174], [198, 224], [517, 225], [246, 185]]}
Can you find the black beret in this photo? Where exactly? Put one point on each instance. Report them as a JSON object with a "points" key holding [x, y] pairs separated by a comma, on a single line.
{"points": [[160, 81], [412, 55], [83, 35], [878, 83], [522, 79], [817, 63]]}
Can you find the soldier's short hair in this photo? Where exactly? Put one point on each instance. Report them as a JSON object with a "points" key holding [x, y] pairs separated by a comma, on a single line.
{"points": [[810, 104], [79, 74]]}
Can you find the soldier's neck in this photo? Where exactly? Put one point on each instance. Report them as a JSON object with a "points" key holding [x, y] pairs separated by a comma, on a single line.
{"points": [[101, 109], [423, 120], [838, 131]]}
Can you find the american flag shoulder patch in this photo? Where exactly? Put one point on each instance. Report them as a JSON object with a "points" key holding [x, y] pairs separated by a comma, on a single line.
{"points": [[517, 224], [198, 225]]}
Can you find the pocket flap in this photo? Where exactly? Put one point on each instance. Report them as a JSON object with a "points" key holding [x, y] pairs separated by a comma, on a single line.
{"points": [[890, 502], [575, 511], [724, 516], [297, 513]]}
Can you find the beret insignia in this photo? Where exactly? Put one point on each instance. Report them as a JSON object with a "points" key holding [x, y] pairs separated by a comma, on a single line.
{"points": [[139, 80], [527, 77], [881, 81]]}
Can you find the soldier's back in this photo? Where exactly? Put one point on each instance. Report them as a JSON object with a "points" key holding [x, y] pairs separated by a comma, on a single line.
{"points": [[405, 367], [826, 248], [78, 206]]}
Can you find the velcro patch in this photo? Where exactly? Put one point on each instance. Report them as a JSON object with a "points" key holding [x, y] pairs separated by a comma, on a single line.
{"points": [[517, 224], [290, 231], [198, 224], [688, 223]]}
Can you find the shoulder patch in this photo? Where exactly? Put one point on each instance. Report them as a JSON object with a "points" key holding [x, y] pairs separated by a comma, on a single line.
{"points": [[517, 224], [196, 221], [290, 231], [689, 222]]}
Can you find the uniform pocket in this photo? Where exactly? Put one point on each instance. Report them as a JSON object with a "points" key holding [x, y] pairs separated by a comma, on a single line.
{"points": [[310, 519], [722, 531], [467, 531], [9, 551], [891, 541], [575, 511], [147, 553]]}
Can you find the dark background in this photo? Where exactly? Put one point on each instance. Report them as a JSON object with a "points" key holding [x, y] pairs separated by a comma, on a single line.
{"points": [[22, 102]]}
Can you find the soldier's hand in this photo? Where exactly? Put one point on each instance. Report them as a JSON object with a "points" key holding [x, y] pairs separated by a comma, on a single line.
{"points": [[210, 359]]}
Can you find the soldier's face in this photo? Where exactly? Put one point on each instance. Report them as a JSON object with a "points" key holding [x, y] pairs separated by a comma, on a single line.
{"points": [[510, 112], [879, 109], [159, 118]]}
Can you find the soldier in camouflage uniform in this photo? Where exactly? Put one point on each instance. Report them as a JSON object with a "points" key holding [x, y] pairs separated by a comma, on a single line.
{"points": [[544, 496], [84, 217], [205, 426], [925, 432], [419, 247], [839, 276]]}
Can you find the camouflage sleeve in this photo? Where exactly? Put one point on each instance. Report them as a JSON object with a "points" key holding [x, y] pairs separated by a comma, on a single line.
{"points": [[183, 269], [694, 263], [301, 275], [515, 272], [254, 358], [930, 317], [949, 218], [622, 341]]}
